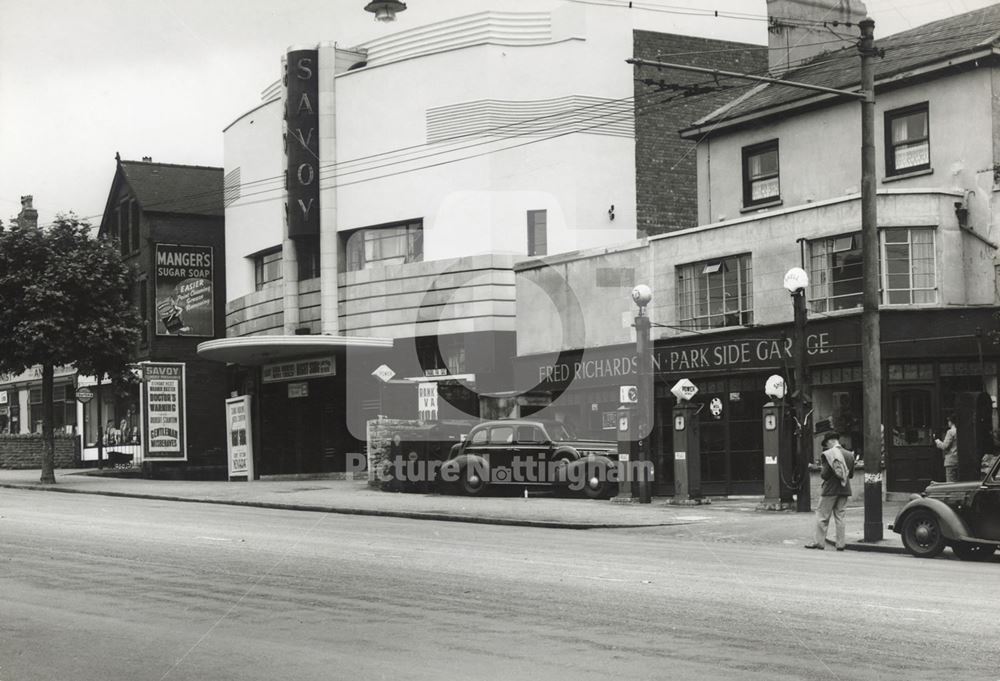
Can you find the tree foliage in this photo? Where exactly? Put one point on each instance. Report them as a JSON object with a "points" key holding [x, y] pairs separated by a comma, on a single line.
{"points": [[65, 299]]}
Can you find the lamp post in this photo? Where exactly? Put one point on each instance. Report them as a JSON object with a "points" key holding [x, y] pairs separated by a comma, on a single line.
{"points": [[641, 296], [796, 282], [385, 10]]}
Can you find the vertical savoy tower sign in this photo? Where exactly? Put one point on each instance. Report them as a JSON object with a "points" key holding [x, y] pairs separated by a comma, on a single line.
{"points": [[302, 142]]}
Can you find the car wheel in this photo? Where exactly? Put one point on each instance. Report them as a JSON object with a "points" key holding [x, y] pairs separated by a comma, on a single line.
{"points": [[922, 534], [973, 551], [470, 483]]}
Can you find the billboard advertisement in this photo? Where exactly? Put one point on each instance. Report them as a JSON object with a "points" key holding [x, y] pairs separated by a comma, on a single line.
{"points": [[164, 411], [184, 289]]}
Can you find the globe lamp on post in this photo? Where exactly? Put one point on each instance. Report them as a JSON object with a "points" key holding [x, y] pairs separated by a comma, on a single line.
{"points": [[796, 283]]}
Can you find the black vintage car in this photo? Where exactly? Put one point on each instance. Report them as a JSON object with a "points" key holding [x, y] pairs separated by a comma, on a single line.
{"points": [[528, 452], [963, 515]]}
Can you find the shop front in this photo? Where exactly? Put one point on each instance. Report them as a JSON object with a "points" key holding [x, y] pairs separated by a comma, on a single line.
{"points": [[929, 358]]}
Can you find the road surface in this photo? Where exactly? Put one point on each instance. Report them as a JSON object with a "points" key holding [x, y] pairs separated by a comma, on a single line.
{"points": [[112, 588]]}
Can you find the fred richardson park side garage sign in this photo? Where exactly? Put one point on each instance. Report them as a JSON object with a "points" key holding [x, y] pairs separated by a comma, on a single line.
{"points": [[164, 412], [749, 350]]}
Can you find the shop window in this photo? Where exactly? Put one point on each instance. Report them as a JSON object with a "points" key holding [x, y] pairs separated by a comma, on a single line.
{"points": [[760, 174], [911, 371], [386, 245], [907, 140], [908, 267], [267, 268], [307, 256], [63, 408], [912, 418], [538, 232], [715, 293], [835, 275]]}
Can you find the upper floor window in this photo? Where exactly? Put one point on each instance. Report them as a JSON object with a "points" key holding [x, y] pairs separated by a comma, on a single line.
{"points": [[907, 140], [538, 232], [760, 174], [387, 245], [143, 293], [835, 271], [715, 293], [267, 268], [133, 207], [908, 266], [122, 214]]}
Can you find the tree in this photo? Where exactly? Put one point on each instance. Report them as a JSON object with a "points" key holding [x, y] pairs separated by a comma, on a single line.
{"points": [[65, 299]]}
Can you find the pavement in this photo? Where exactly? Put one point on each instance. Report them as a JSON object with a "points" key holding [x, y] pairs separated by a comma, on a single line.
{"points": [[732, 519]]}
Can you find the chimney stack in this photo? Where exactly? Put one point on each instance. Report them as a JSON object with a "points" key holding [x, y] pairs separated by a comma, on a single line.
{"points": [[796, 26], [28, 217]]}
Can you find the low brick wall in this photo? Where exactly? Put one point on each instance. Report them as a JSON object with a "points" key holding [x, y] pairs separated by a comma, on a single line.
{"points": [[380, 432], [25, 451]]}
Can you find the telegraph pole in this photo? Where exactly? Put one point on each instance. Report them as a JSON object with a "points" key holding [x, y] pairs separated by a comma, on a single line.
{"points": [[871, 351]]}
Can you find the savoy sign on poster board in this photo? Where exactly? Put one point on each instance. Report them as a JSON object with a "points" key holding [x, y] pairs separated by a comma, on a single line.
{"points": [[164, 411], [184, 290]]}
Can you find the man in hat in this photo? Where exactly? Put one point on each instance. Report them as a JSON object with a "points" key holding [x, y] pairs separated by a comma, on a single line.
{"points": [[836, 471]]}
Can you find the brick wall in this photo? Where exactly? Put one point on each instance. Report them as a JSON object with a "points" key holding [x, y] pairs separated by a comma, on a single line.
{"points": [[380, 432], [25, 451], [666, 171]]}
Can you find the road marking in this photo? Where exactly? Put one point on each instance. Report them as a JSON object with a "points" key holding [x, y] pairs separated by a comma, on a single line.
{"points": [[890, 607], [605, 579], [214, 538]]}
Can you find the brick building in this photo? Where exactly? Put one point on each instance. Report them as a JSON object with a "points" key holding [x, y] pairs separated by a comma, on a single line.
{"points": [[169, 222]]}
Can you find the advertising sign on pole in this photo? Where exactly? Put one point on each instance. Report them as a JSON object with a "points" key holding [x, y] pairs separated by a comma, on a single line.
{"points": [[427, 407], [164, 412], [240, 442], [184, 290]]}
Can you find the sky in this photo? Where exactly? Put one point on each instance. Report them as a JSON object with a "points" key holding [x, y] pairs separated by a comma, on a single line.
{"points": [[80, 81]]}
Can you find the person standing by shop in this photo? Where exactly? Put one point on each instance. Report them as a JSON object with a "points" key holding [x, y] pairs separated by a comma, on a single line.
{"points": [[949, 448], [836, 470]]}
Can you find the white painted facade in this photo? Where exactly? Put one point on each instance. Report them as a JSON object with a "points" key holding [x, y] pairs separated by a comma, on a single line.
{"points": [[441, 124]]}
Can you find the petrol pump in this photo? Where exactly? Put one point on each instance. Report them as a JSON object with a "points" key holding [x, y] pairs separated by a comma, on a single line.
{"points": [[626, 449], [687, 445], [778, 451]]}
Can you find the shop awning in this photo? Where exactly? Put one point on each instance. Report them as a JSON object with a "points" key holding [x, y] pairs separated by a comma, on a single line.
{"points": [[253, 350]]}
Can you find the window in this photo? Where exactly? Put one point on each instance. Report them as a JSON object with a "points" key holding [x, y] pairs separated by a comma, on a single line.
{"points": [[63, 407], [530, 435], [537, 232], [307, 256], [386, 245], [908, 271], [134, 224], [267, 268], [907, 140], [716, 293], [501, 435], [144, 311], [760, 174], [835, 273], [479, 437], [123, 228]]}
